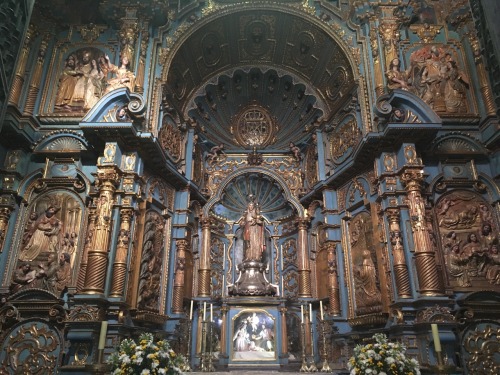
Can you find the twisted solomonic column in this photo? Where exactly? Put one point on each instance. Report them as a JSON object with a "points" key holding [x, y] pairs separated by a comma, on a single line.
{"points": [[398, 254], [122, 246], [333, 281], [107, 180], [204, 270], [178, 295], [425, 262], [303, 259]]}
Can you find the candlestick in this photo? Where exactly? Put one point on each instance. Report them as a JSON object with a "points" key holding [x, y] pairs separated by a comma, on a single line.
{"points": [[302, 313], [321, 309], [191, 311], [102, 336], [435, 336], [310, 312], [204, 311], [211, 312]]}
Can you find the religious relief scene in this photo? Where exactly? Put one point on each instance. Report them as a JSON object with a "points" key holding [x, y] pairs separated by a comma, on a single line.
{"points": [[249, 186]]}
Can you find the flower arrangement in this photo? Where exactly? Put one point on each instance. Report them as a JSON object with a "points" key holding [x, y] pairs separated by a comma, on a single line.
{"points": [[382, 358], [146, 358]]}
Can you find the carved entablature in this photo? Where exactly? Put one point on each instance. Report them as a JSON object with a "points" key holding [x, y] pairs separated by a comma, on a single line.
{"points": [[436, 314], [286, 167], [85, 313]]}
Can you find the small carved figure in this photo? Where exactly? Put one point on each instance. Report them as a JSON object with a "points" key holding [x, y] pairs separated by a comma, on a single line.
{"points": [[485, 213], [476, 254], [22, 277], [398, 115], [122, 114], [295, 152], [367, 293], [45, 236], [63, 275], [83, 84], [95, 86], [455, 88], [215, 152], [396, 79], [67, 83], [493, 267], [462, 219], [253, 233], [488, 238], [458, 266], [124, 77]]}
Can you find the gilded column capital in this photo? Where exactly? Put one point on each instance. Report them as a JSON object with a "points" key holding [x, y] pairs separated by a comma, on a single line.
{"points": [[303, 222], [393, 216], [413, 179], [126, 214], [107, 176], [206, 222], [181, 244]]}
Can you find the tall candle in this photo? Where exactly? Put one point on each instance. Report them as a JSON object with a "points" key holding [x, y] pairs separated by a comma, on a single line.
{"points": [[302, 313], [321, 309], [310, 312], [204, 311], [435, 337], [191, 311], [102, 336], [211, 312]]}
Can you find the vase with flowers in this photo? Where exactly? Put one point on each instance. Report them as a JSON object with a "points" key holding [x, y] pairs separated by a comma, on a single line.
{"points": [[382, 358], [146, 357]]}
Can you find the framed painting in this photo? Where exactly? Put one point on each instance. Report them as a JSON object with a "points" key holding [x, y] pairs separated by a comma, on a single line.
{"points": [[253, 336]]}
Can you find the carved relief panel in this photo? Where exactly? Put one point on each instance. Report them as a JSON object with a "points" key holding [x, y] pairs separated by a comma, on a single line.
{"points": [[289, 274], [468, 231], [364, 280], [171, 139], [151, 264], [217, 254], [344, 139], [48, 243], [438, 76]]}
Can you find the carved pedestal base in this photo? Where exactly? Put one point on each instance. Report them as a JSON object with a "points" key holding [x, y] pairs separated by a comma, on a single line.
{"points": [[252, 281]]}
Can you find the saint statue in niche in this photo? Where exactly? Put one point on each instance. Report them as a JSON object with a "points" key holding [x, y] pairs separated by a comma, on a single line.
{"points": [[251, 255], [254, 243]]}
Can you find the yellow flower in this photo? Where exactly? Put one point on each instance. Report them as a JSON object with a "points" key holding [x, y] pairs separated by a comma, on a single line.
{"points": [[379, 364]]}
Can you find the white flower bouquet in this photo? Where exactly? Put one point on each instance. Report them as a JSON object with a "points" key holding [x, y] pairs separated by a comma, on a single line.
{"points": [[146, 358], [382, 358]]}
